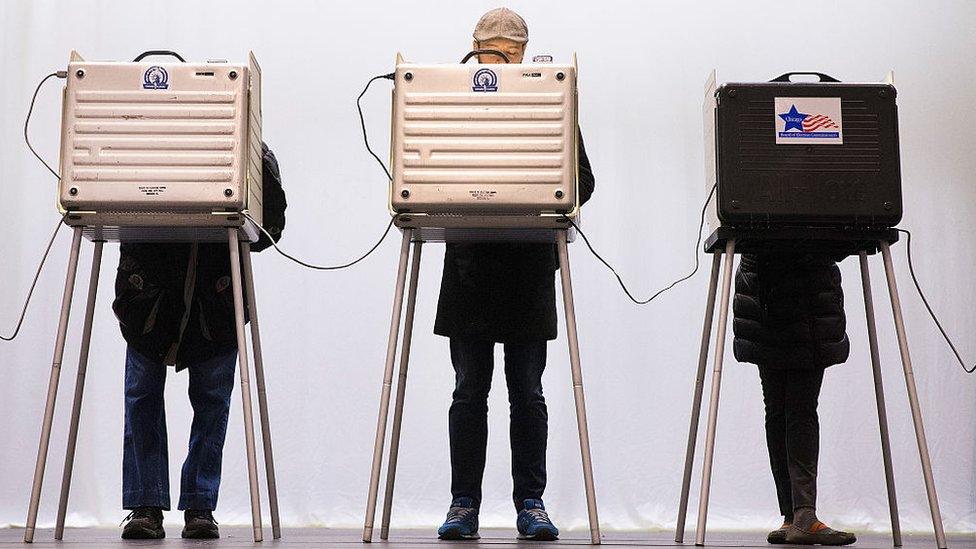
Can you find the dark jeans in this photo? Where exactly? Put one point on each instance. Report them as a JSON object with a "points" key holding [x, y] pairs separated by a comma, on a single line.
{"points": [[793, 435], [145, 465], [473, 364]]}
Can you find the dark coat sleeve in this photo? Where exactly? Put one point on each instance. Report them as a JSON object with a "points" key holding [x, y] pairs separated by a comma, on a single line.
{"points": [[273, 200], [587, 183]]}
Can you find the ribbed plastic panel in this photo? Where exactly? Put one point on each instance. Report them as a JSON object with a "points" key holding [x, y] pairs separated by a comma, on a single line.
{"points": [[150, 151], [255, 181], [850, 180], [178, 143], [471, 142], [861, 151]]}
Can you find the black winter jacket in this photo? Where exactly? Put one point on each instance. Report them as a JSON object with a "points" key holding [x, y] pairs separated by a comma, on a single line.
{"points": [[169, 316], [174, 301], [789, 311], [503, 292]]}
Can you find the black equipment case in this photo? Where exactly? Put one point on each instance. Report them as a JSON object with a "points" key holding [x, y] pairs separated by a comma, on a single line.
{"points": [[822, 153]]}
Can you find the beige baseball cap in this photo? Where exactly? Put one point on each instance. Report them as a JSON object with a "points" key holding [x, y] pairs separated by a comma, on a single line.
{"points": [[501, 23]]}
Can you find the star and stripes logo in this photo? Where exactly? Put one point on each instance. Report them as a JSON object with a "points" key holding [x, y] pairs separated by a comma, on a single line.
{"points": [[809, 120], [814, 123]]}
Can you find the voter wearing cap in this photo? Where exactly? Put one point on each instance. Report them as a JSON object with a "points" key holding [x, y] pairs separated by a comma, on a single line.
{"points": [[499, 293]]}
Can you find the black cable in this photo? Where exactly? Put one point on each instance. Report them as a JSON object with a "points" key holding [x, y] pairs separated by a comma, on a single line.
{"points": [[37, 274], [47, 250], [59, 74], [480, 52], [322, 267], [701, 225], [911, 269], [362, 121]]}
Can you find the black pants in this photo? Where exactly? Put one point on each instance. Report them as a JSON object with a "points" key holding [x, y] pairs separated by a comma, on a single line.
{"points": [[793, 434], [473, 364]]}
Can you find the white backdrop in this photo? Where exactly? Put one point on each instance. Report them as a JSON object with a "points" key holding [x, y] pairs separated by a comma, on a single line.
{"points": [[643, 66]]}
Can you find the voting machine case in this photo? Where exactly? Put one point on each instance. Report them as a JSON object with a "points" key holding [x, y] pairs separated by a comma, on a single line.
{"points": [[153, 150], [484, 145], [803, 153]]}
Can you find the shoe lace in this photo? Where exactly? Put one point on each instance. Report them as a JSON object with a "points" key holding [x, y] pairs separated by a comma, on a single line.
{"points": [[203, 514], [127, 518], [539, 515], [138, 512], [456, 514]]}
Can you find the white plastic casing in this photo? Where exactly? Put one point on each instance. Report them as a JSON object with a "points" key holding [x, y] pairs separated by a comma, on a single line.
{"points": [[161, 144], [484, 145]]}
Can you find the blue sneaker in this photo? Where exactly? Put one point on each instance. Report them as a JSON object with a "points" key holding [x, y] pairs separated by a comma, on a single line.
{"points": [[533, 522], [462, 521]]}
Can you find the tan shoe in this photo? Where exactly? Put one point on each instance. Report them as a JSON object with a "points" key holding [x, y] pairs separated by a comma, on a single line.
{"points": [[819, 534]]}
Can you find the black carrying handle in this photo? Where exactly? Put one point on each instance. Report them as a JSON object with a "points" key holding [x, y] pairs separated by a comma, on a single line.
{"points": [[473, 53], [787, 76], [146, 54]]}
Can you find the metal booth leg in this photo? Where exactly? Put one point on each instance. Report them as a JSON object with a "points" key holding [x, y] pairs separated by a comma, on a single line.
{"points": [[906, 360], [723, 318], [880, 398], [562, 237], [52, 387], [679, 533], [252, 469], [374, 477], [401, 391], [69, 458], [252, 309]]}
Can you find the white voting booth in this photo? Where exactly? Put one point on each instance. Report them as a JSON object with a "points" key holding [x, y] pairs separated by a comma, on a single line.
{"points": [[479, 153], [157, 151], [784, 188]]}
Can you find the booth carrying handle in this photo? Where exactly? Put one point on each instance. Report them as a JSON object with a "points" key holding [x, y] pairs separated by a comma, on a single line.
{"points": [[473, 53], [145, 54], [787, 77]]}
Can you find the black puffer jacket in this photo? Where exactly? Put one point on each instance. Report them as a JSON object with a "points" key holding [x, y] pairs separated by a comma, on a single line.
{"points": [[174, 301], [789, 312], [503, 292]]}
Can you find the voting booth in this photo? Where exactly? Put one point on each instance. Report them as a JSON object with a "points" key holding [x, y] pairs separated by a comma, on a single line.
{"points": [[486, 153], [483, 146], [805, 167], [811, 153], [161, 151]]}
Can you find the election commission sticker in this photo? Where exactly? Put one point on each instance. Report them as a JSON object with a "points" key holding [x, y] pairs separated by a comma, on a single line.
{"points": [[808, 121]]}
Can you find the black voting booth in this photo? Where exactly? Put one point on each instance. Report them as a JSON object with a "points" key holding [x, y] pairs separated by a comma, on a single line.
{"points": [[845, 174], [807, 166]]}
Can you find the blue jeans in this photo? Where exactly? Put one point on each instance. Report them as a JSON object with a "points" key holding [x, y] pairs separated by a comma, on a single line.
{"points": [[145, 465], [468, 417]]}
